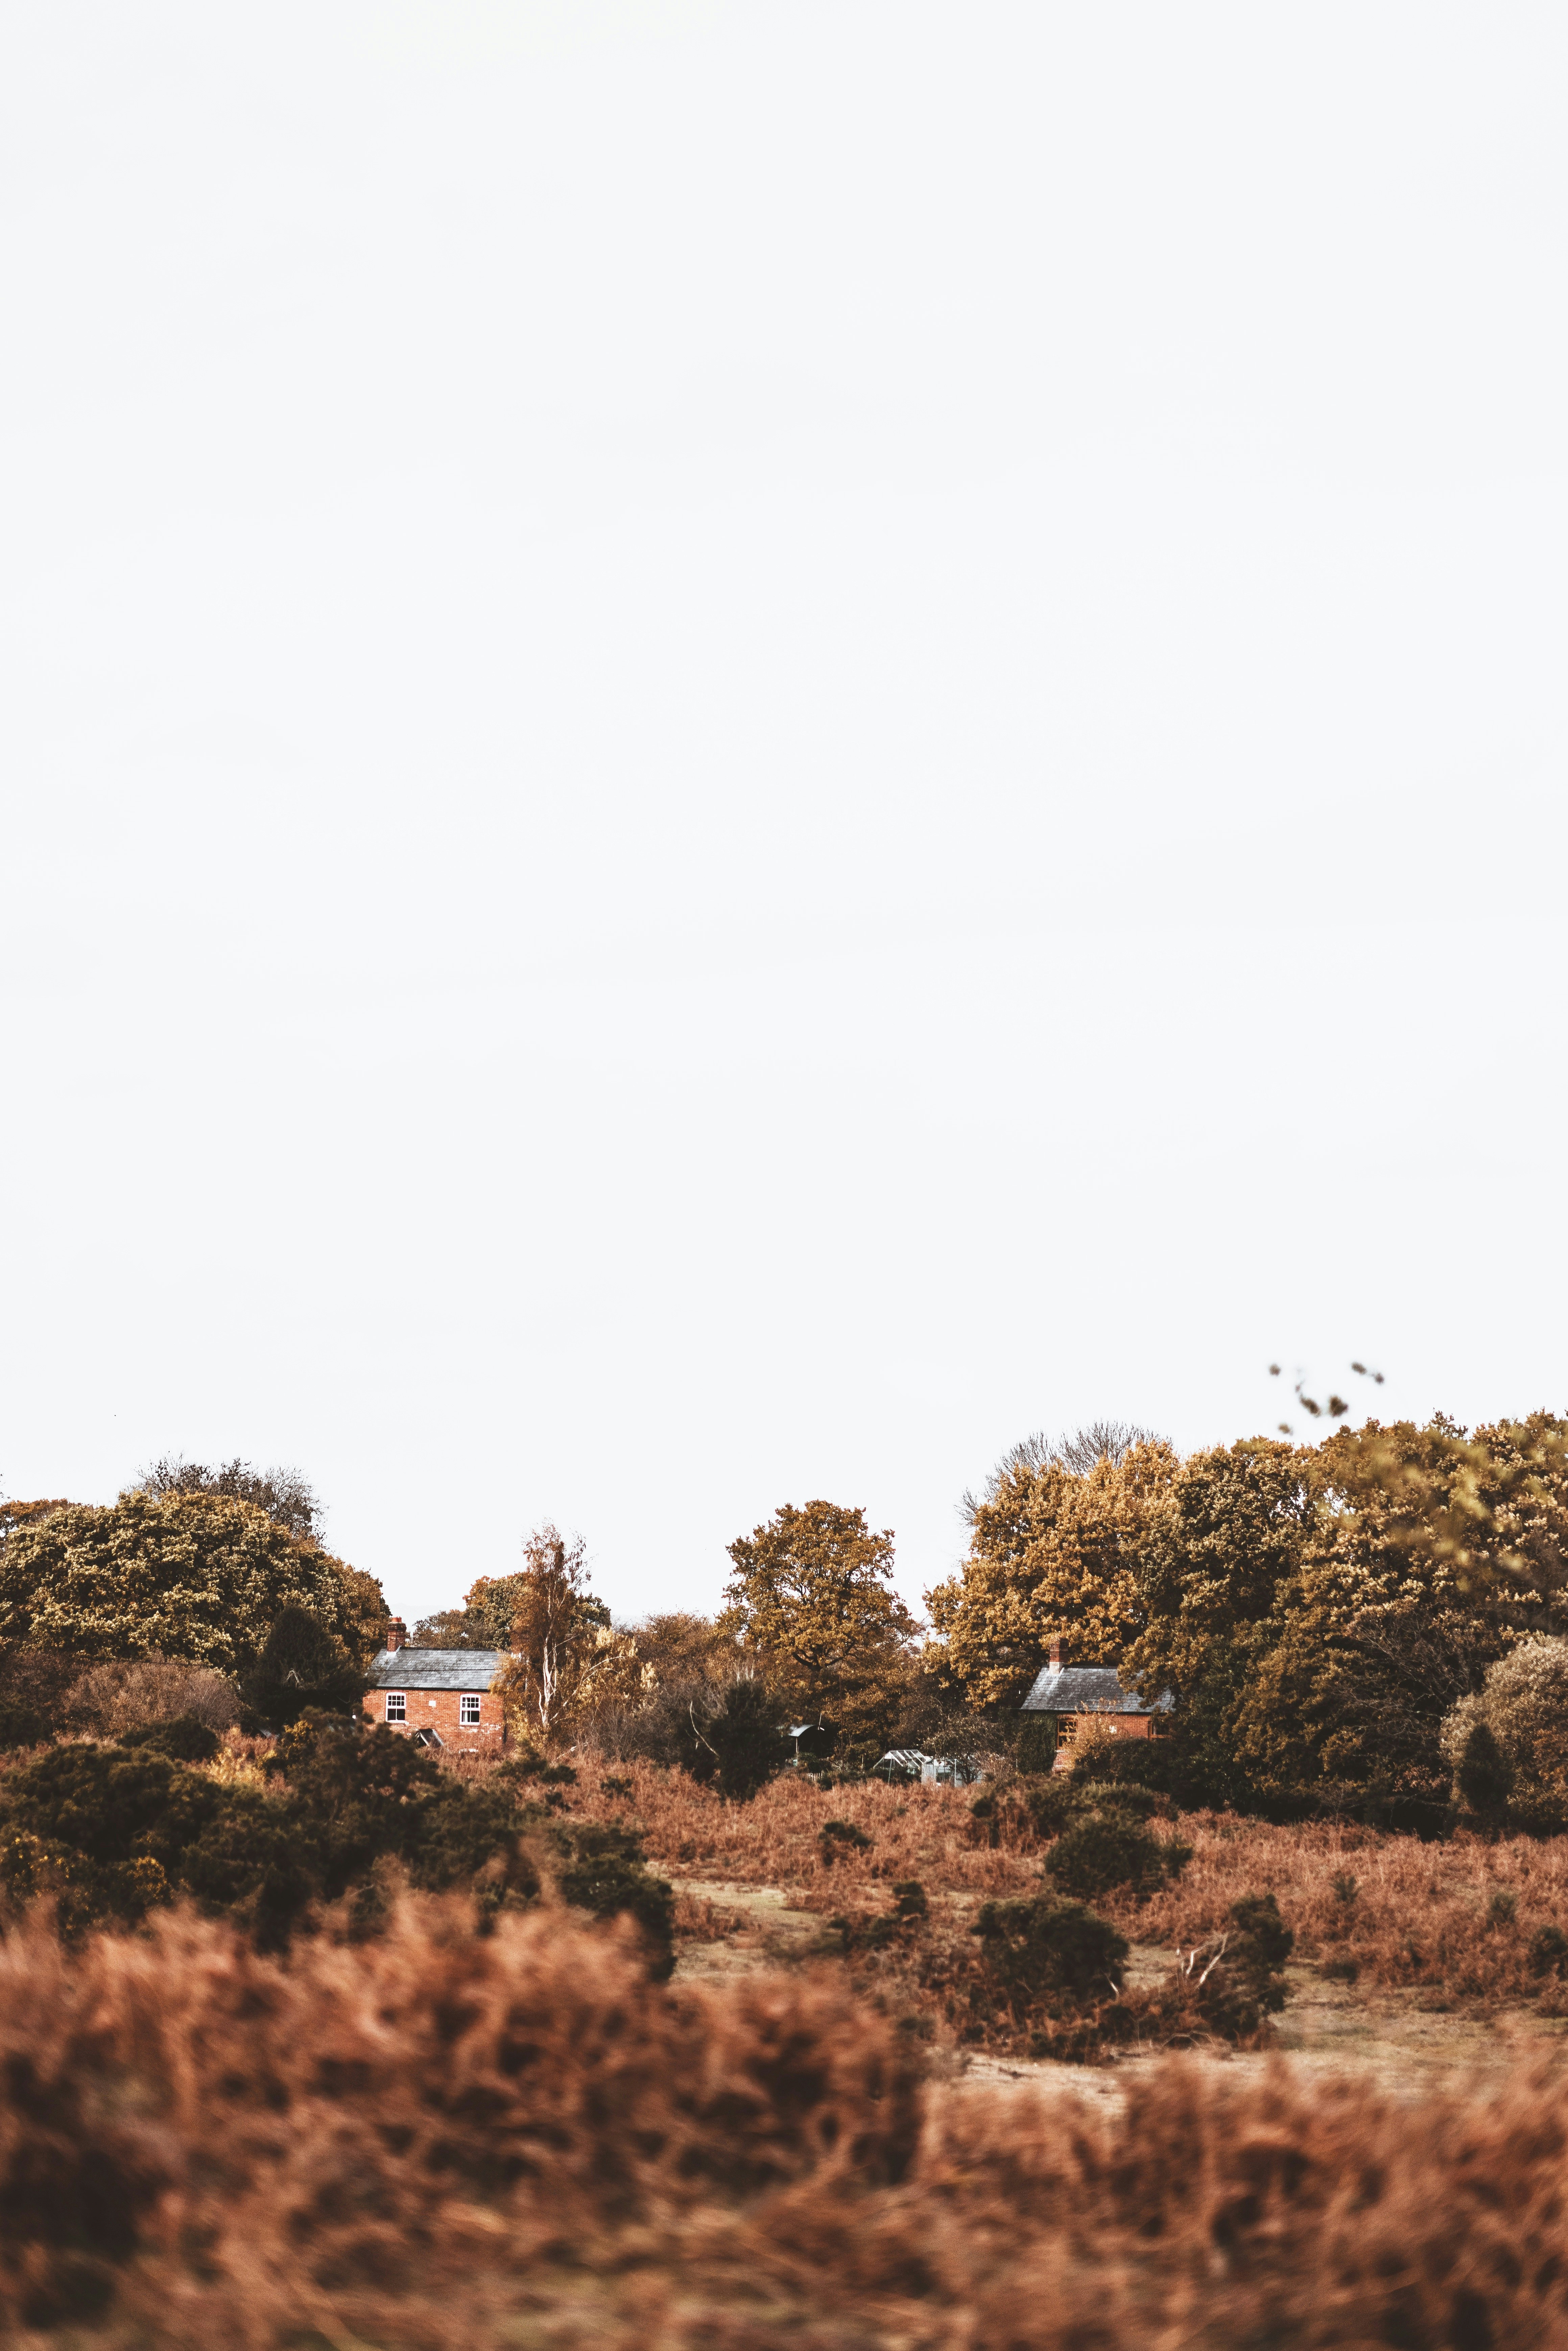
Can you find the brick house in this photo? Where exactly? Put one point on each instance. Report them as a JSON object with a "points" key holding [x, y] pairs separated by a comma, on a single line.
{"points": [[1068, 1693], [442, 1698]]}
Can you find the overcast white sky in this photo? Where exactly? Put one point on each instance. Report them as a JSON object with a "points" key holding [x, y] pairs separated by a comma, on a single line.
{"points": [[745, 744]]}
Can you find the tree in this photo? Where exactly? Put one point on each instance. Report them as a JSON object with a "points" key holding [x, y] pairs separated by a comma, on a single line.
{"points": [[731, 1735], [1219, 1556], [1319, 1610], [1051, 1552], [193, 1575], [490, 1608], [290, 1502], [809, 1598], [680, 1646], [302, 1666], [566, 1656], [1520, 1716], [286, 1497], [1077, 1450]]}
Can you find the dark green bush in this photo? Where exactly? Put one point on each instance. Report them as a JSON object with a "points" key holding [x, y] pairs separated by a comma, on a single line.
{"points": [[112, 1831], [181, 1737], [601, 1872], [736, 1741], [1104, 1849], [1548, 1951], [1025, 1809], [909, 1898], [1035, 1747], [1122, 1796], [531, 1765], [301, 1666], [1485, 1774], [21, 1725], [836, 1837], [1238, 1978], [1041, 1948]]}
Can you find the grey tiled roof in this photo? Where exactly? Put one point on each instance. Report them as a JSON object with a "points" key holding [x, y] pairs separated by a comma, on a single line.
{"points": [[436, 1669], [1095, 1690]]}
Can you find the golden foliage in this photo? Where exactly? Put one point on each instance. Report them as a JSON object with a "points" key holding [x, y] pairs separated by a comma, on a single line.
{"points": [[1051, 1553], [192, 1575], [810, 1600]]}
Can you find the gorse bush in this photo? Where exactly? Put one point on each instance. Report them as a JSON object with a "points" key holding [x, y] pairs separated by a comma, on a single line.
{"points": [[111, 1832], [1106, 1847], [1035, 1948], [181, 1737]]}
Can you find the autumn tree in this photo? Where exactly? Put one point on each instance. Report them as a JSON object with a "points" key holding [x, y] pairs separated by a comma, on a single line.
{"points": [[566, 1656], [1319, 1610], [284, 1495], [1052, 1550], [678, 1645], [291, 1502], [1076, 1450], [811, 1600], [193, 1575]]}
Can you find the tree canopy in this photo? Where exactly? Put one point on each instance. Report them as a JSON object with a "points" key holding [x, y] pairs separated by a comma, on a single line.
{"points": [[1316, 1610], [566, 1654], [188, 1574], [810, 1599], [1051, 1552]]}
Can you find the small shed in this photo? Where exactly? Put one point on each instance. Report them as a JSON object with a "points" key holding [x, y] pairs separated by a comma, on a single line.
{"points": [[1070, 1693], [441, 1697]]}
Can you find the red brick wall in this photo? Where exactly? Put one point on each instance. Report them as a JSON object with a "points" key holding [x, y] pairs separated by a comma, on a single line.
{"points": [[437, 1710]]}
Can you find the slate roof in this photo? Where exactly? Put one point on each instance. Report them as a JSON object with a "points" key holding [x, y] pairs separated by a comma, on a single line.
{"points": [[436, 1669], [1093, 1689]]}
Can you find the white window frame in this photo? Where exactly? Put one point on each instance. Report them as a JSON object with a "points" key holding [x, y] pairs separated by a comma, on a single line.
{"points": [[466, 1720], [397, 1706]]}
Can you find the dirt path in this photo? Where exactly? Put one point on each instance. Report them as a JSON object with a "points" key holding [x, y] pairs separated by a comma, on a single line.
{"points": [[1328, 2030]]}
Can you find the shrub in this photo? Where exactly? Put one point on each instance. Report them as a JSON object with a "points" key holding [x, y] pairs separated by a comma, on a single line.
{"points": [[21, 1725], [1034, 1750], [836, 1837], [1521, 1762], [302, 1665], [1037, 1948], [181, 1737], [112, 1831], [1122, 1796], [123, 1694], [1025, 1812], [1485, 1775], [1548, 1951], [600, 1871], [1104, 1849], [736, 1739], [1233, 1981]]}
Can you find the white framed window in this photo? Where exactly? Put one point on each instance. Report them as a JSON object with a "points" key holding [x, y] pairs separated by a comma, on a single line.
{"points": [[468, 1712], [397, 1706]]}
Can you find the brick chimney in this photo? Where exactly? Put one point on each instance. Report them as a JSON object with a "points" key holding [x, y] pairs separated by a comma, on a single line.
{"points": [[397, 1634], [1058, 1652]]}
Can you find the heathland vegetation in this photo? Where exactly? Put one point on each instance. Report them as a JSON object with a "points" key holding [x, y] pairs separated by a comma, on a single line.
{"points": [[671, 2023]]}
